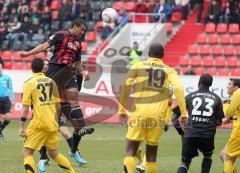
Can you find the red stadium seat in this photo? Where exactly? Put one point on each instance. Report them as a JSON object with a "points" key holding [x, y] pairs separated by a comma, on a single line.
{"points": [[84, 46], [91, 36], [223, 72], [233, 28], [18, 65], [28, 58], [210, 28], [196, 61], [130, 6], [204, 50], [55, 5], [212, 71], [237, 51], [213, 39], [217, 50], [169, 27], [225, 39], [176, 17], [8, 65], [28, 66], [99, 26], [184, 60], [232, 61], [41, 55], [235, 72], [7, 55], [222, 28], [118, 5], [201, 39], [236, 39], [220, 61], [192, 49], [228, 50], [16, 56], [54, 15], [207, 61], [199, 70]]}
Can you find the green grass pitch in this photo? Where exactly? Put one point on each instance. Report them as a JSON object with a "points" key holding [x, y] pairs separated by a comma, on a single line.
{"points": [[104, 151]]}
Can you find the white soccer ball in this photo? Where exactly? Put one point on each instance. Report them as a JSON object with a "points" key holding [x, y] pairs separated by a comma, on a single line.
{"points": [[109, 15]]}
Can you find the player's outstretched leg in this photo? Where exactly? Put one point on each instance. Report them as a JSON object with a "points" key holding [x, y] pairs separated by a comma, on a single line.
{"points": [[29, 163], [206, 162], [3, 125], [130, 153], [43, 159], [61, 161], [229, 164]]}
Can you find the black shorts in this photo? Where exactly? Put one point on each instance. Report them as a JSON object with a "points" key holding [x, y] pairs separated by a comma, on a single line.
{"points": [[191, 146], [63, 75], [5, 105]]}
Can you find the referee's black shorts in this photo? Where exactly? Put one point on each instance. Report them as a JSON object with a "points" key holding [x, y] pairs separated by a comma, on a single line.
{"points": [[191, 145], [5, 105]]}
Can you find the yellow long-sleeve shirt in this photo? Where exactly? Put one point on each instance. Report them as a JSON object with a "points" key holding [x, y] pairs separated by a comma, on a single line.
{"points": [[151, 79]]}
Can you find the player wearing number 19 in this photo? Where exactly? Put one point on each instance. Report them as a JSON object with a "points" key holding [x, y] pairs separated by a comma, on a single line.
{"points": [[40, 93], [151, 79], [205, 113]]}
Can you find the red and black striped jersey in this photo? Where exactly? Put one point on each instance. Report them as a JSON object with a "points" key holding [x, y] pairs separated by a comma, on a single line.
{"points": [[67, 48]]}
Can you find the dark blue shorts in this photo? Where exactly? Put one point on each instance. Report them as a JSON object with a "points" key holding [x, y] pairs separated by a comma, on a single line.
{"points": [[5, 105]]}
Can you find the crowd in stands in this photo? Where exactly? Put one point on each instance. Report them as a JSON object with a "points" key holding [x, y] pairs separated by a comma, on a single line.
{"points": [[26, 23]]}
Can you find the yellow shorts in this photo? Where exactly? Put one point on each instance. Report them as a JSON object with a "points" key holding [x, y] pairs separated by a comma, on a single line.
{"points": [[36, 138], [145, 129], [233, 147]]}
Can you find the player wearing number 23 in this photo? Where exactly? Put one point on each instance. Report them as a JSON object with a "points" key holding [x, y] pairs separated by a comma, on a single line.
{"points": [[151, 79]]}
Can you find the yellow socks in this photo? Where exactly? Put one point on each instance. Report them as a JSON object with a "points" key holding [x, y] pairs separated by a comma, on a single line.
{"points": [[29, 164], [64, 163], [129, 164], [151, 167]]}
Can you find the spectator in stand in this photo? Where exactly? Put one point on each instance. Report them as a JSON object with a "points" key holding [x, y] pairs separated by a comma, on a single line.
{"points": [[227, 14], [179, 6], [13, 15], [35, 14], [13, 28], [140, 7], [1, 4], [150, 6], [162, 9], [46, 19], [213, 12], [35, 26], [11, 5], [24, 29], [200, 3], [107, 30], [23, 9], [85, 10], [237, 12], [3, 32], [65, 11], [4, 15], [76, 9], [122, 18], [38, 38]]}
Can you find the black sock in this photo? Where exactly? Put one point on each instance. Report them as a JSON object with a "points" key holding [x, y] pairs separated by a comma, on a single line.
{"points": [[43, 153], [182, 169], [5, 123], [0, 127], [206, 165], [69, 141], [75, 141]]}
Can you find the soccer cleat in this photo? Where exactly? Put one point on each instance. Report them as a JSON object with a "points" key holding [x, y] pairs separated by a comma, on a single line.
{"points": [[78, 158], [140, 168], [42, 166], [85, 131]]}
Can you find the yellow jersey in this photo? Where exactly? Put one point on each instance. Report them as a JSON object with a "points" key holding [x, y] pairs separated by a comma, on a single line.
{"points": [[233, 109], [41, 93], [151, 95]]}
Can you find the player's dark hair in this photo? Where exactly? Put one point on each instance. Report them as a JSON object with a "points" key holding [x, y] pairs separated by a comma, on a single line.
{"points": [[156, 50], [37, 65], [205, 80], [1, 62], [236, 82], [78, 22]]}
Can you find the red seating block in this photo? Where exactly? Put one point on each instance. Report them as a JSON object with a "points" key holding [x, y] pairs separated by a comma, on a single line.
{"points": [[169, 27], [130, 6], [184, 60], [213, 39], [201, 39], [233, 28], [235, 72], [232, 62], [228, 50], [223, 72], [7, 55], [236, 39], [118, 5], [199, 70], [210, 28], [99, 26], [222, 28], [204, 50], [91, 36], [225, 39], [207, 61], [220, 61], [217, 50], [192, 49], [8, 65], [16, 56], [237, 51], [18, 65], [196, 61], [84, 46], [41, 55], [212, 71]]}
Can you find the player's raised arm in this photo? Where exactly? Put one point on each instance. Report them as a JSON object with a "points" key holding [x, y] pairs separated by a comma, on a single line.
{"points": [[178, 91], [40, 48], [129, 80], [234, 103]]}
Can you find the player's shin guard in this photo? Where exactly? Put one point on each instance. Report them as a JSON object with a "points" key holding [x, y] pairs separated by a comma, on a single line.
{"points": [[29, 165], [64, 163], [5, 123], [206, 165], [129, 164], [228, 166], [151, 167]]}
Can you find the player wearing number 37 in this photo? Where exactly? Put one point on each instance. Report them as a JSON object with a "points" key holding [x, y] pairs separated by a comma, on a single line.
{"points": [[151, 79]]}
